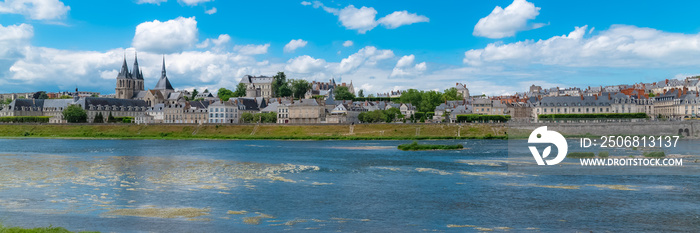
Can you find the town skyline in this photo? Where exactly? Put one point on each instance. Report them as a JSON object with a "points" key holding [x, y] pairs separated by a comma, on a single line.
{"points": [[396, 48]]}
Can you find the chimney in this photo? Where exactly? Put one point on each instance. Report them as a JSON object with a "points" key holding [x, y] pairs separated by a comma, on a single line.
{"points": [[609, 96], [581, 97], [279, 100], [596, 97]]}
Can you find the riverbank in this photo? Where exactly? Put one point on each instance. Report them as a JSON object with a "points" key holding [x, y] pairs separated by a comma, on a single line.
{"points": [[271, 131]]}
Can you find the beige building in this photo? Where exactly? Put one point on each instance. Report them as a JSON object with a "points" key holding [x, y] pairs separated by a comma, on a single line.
{"points": [[305, 111], [260, 86]]}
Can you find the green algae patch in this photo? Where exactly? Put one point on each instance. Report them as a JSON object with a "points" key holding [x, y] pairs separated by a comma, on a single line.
{"points": [[418, 147], [161, 212]]}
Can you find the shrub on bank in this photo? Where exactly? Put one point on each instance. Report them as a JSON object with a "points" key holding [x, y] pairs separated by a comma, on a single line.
{"points": [[482, 118], [603, 154], [654, 154], [25, 119]]}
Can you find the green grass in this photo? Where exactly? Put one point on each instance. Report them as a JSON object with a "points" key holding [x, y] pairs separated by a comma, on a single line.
{"points": [[603, 154], [49, 229], [415, 146], [654, 154], [579, 155], [270, 131]]}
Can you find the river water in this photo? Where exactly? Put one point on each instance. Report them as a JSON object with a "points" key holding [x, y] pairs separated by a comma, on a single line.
{"points": [[321, 186]]}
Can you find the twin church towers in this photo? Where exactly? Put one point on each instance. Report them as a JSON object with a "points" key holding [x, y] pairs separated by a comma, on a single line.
{"points": [[130, 84]]}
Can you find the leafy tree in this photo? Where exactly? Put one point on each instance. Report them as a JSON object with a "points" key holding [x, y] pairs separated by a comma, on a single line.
{"points": [[41, 95], [75, 114], [278, 81], [270, 117], [360, 94], [652, 95], [240, 90], [99, 118], [94, 95], [21, 97], [194, 94], [342, 93], [452, 94], [299, 87], [225, 94], [284, 91], [7, 101], [247, 117], [65, 97]]}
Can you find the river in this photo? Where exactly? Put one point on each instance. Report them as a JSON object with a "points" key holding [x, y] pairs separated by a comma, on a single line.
{"points": [[321, 186]]}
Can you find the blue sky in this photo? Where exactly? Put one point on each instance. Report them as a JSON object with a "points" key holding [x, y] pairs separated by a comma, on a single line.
{"points": [[495, 47]]}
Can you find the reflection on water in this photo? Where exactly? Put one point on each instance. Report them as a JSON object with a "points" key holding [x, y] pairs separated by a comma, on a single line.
{"points": [[321, 186]]}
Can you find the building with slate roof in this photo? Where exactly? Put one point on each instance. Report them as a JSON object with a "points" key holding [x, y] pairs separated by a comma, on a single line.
{"points": [[257, 86]]}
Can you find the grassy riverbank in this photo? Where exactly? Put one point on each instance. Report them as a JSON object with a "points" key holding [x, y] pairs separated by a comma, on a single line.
{"points": [[4, 229], [272, 131]]}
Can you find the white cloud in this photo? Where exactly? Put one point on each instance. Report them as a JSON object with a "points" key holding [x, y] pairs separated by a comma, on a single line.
{"points": [[348, 43], [369, 55], [210, 11], [400, 18], [252, 49], [157, 2], [186, 2], [305, 64], [305, 3], [294, 45], [619, 46], [193, 2], [404, 67], [506, 22], [166, 37], [217, 44], [363, 19], [35, 9]]}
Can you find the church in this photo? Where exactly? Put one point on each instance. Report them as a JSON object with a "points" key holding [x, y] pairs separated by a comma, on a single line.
{"points": [[130, 86]]}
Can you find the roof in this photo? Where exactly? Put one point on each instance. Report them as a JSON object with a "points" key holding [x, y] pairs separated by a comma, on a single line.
{"points": [[254, 79], [95, 101]]}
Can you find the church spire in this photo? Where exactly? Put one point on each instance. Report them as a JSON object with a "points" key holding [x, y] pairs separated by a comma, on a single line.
{"points": [[124, 73], [163, 83], [135, 73], [163, 71]]}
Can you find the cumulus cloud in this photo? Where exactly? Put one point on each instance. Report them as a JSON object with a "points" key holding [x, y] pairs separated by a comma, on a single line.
{"points": [[405, 67], [157, 2], [294, 45], [348, 43], [506, 22], [363, 19], [252, 49], [166, 37], [186, 2], [619, 46], [210, 11], [193, 2], [400, 18], [305, 3], [35, 9], [217, 44], [369, 55], [305, 64]]}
